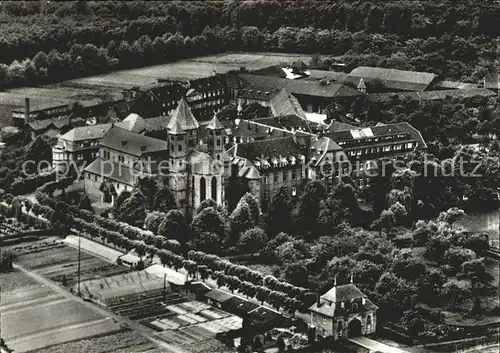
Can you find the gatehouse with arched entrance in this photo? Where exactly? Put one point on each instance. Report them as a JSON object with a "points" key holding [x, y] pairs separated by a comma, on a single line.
{"points": [[343, 312]]}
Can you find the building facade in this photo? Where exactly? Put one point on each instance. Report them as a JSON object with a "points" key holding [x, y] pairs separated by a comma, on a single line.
{"points": [[343, 312]]}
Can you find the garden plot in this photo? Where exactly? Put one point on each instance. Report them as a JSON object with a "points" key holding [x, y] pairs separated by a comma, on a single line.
{"points": [[34, 316]]}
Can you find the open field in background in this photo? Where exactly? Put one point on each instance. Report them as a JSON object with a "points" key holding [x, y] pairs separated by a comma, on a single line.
{"points": [[111, 85], [58, 262]]}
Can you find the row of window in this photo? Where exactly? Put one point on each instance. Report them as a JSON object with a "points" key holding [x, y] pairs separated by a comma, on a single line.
{"points": [[373, 139], [372, 150], [285, 174]]}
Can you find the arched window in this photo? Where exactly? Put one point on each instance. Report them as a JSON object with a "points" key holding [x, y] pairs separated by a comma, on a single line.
{"points": [[214, 188], [203, 189]]}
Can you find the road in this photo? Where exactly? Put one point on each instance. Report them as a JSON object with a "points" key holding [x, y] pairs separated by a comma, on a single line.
{"points": [[146, 332], [375, 346]]}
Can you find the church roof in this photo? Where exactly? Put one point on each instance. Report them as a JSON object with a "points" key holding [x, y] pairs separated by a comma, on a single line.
{"points": [[184, 116], [215, 124], [132, 143], [176, 129]]}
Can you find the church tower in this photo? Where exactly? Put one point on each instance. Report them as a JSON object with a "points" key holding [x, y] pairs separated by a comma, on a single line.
{"points": [[182, 137], [216, 138], [186, 120]]}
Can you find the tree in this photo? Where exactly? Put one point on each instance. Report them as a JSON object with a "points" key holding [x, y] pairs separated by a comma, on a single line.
{"points": [[436, 247], [133, 210], [240, 221], [456, 256], [37, 151], [252, 240], [386, 221], [208, 220], [210, 243], [253, 206], [279, 216], [163, 200], [308, 207], [297, 274], [399, 212], [455, 294], [6, 259], [119, 201], [174, 226], [451, 215], [475, 270], [153, 221], [292, 251]]}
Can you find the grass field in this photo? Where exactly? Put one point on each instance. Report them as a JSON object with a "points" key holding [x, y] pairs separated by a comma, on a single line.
{"points": [[15, 281]]}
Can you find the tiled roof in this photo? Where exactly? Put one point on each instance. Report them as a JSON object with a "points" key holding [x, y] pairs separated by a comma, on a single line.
{"points": [[157, 123], [131, 143], [111, 170], [288, 122], [176, 129], [393, 79], [284, 103], [38, 125], [339, 125], [239, 306], [274, 70], [268, 148], [215, 124], [184, 116], [431, 95], [329, 75], [249, 172], [134, 122], [345, 292], [219, 295], [302, 87], [90, 132], [454, 85], [326, 309]]}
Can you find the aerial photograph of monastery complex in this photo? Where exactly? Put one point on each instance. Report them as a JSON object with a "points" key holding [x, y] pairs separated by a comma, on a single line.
{"points": [[250, 176]]}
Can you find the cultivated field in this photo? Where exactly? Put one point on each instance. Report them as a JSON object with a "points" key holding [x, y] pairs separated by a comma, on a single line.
{"points": [[34, 316], [59, 262], [122, 342]]}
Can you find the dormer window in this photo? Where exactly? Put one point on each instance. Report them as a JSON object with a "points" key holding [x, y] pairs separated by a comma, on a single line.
{"points": [[342, 305], [292, 160], [275, 162]]}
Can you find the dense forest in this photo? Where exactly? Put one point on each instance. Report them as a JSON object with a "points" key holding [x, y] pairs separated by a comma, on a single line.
{"points": [[51, 41]]}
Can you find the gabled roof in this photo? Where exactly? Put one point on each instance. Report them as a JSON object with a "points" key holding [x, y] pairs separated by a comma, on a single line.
{"points": [[377, 131], [183, 115], [324, 74], [131, 143], [361, 84], [38, 125], [393, 79], [218, 295], [134, 122], [430, 95], [157, 123], [215, 124], [302, 87], [249, 172], [268, 148], [111, 170], [90, 132], [284, 103]]}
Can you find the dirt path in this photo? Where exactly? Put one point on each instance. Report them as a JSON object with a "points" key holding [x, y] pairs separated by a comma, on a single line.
{"points": [[143, 330]]}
